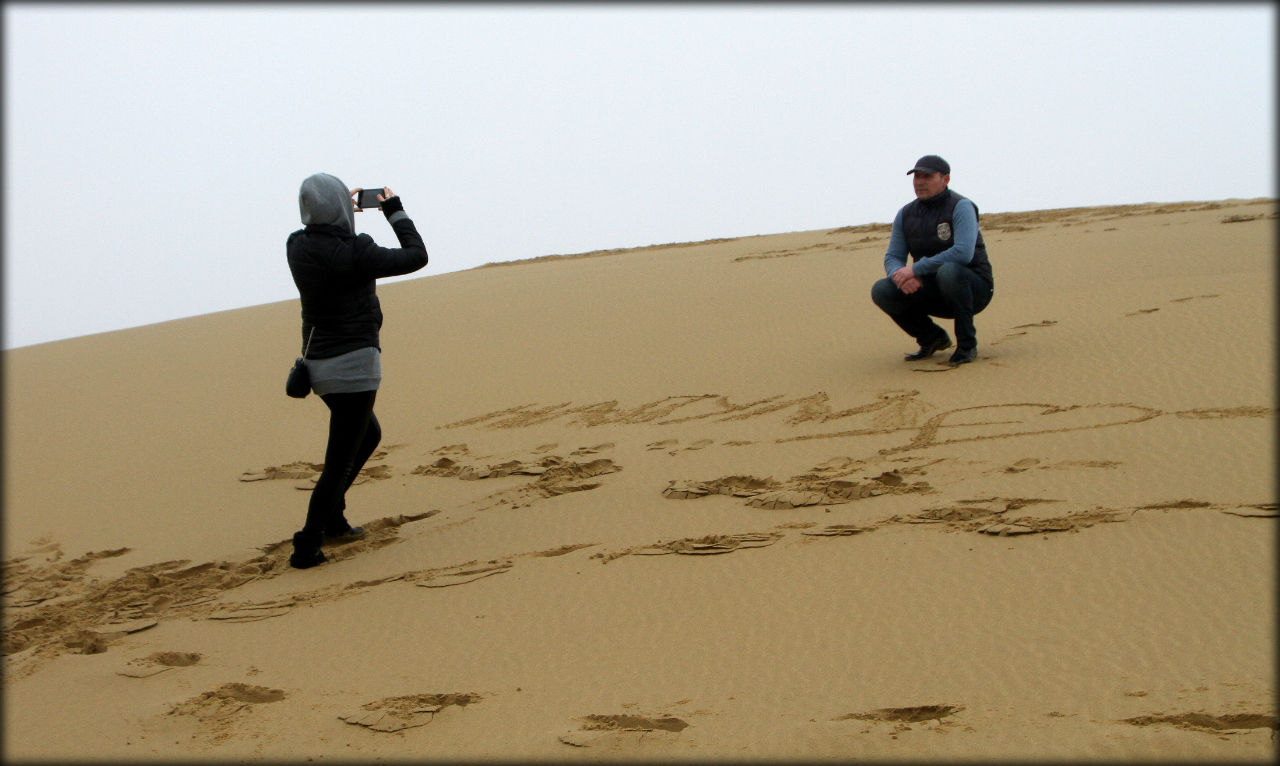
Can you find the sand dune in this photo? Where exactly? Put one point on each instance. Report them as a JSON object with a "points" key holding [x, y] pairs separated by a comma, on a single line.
{"points": [[683, 501]]}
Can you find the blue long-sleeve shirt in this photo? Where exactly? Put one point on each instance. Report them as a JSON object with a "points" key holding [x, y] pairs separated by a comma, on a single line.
{"points": [[964, 232]]}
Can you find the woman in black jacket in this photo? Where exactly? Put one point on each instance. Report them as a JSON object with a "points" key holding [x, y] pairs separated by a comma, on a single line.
{"points": [[335, 270]]}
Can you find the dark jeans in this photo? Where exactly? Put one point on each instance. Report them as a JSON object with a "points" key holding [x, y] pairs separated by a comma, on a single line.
{"points": [[953, 292], [354, 433]]}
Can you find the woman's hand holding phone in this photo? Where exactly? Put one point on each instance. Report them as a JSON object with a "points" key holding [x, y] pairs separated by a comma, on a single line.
{"points": [[364, 198]]}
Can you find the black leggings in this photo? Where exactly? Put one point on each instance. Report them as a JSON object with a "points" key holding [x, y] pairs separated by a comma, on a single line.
{"points": [[354, 433]]}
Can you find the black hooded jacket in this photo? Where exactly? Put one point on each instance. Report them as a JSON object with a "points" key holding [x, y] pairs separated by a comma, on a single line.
{"points": [[335, 269]]}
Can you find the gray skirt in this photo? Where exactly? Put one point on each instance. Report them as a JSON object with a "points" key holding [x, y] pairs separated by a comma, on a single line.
{"points": [[349, 373]]}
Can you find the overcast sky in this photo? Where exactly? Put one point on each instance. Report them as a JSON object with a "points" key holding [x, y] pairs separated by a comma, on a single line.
{"points": [[153, 152]]}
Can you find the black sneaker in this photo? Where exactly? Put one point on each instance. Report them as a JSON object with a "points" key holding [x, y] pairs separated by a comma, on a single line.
{"points": [[930, 348], [306, 551], [962, 356], [307, 559]]}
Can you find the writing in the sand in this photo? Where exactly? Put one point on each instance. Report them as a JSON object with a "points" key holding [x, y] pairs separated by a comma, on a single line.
{"points": [[890, 412]]}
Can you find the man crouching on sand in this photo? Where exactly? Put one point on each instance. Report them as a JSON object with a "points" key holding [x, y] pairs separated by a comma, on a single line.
{"points": [[950, 276]]}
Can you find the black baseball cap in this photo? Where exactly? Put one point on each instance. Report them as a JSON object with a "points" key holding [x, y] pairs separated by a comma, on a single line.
{"points": [[931, 163]]}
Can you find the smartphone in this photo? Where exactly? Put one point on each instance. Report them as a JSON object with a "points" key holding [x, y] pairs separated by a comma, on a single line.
{"points": [[368, 198]]}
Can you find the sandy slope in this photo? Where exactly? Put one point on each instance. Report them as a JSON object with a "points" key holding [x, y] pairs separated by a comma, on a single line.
{"points": [[684, 501]]}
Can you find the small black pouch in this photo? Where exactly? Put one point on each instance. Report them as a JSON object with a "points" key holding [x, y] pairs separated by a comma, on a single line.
{"points": [[298, 384]]}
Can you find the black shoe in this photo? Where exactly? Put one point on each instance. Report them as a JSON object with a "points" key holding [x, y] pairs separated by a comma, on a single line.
{"points": [[962, 356], [350, 534], [928, 349], [306, 552], [307, 559]]}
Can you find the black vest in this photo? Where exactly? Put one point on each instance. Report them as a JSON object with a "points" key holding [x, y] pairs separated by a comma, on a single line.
{"points": [[927, 227]]}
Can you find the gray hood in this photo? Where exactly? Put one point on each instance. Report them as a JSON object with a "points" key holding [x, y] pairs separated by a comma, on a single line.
{"points": [[323, 199]]}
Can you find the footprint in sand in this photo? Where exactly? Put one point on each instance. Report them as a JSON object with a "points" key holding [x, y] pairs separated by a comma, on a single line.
{"points": [[1028, 525], [1208, 722], [28, 581], [733, 486], [87, 616], [159, 662], [787, 499], [618, 730], [216, 711], [902, 717], [913, 714], [397, 713]]}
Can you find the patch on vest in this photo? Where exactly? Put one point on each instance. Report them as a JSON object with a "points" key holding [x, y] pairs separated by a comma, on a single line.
{"points": [[944, 231]]}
